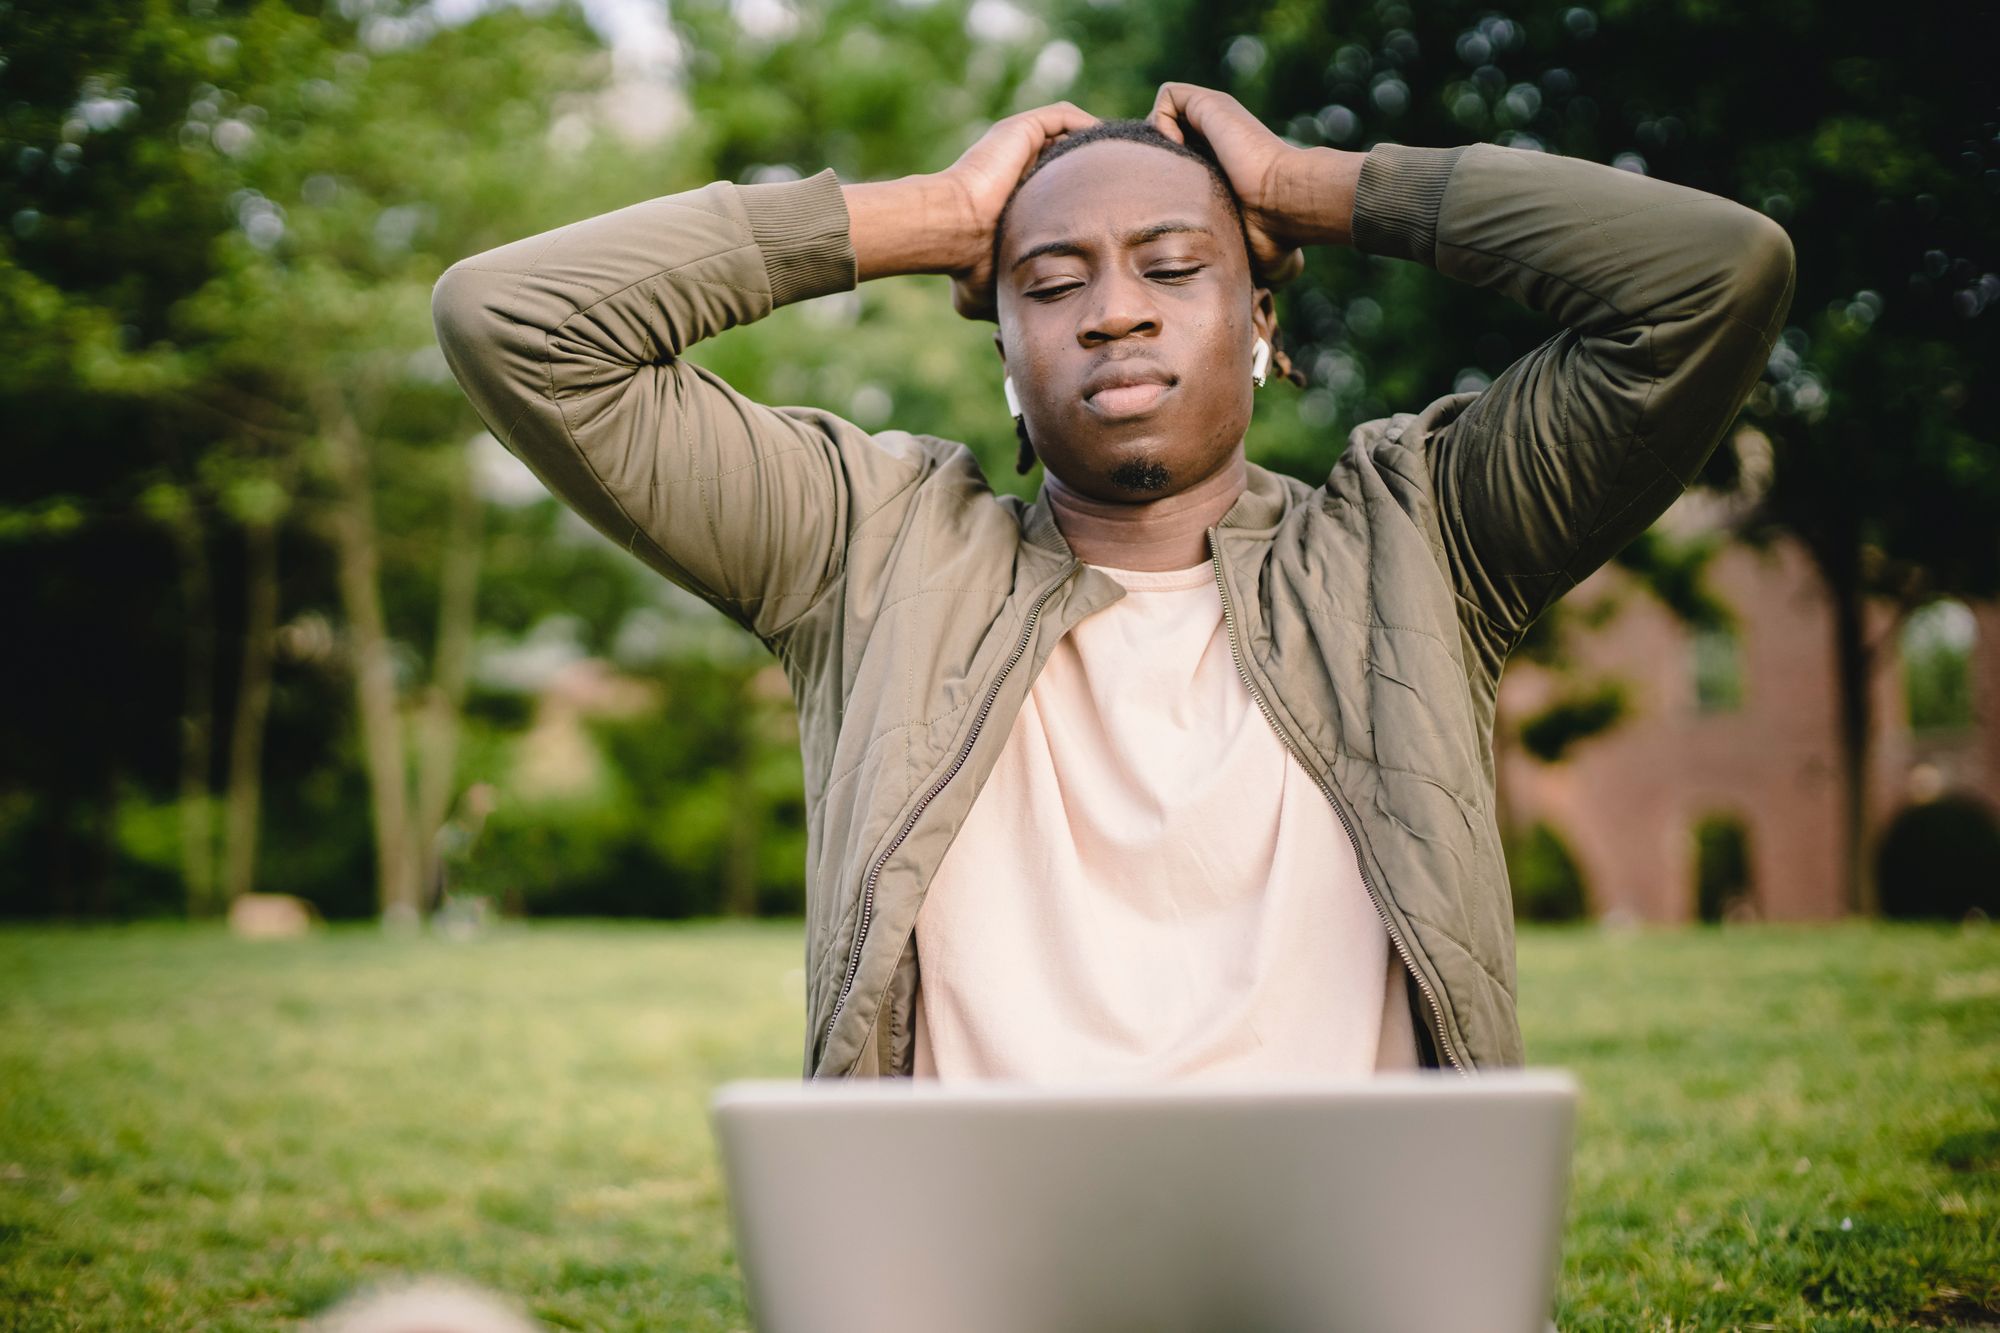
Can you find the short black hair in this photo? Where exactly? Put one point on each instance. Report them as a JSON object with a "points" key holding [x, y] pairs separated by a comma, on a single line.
{"points": [[1132, 131]]}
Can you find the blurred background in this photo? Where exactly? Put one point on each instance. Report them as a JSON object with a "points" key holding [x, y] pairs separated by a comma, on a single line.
{"points": [[295, 640], [286, 619]]}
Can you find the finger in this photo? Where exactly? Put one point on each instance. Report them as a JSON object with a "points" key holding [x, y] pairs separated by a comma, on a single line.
{"points": [[1167, 110], [1059, 118], [1047, 124], [1283, 269], [973, 301]]}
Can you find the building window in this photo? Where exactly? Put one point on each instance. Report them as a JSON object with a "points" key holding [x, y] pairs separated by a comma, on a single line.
{"points": [[1721, 867], [1937, 646], [1718, 669]]}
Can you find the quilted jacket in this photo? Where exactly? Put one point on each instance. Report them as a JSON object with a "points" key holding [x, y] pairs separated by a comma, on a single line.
{"points": [[1370, 615]]}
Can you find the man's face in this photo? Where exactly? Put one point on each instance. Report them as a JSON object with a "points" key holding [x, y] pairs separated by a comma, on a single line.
{"points": [[1121, 264]]}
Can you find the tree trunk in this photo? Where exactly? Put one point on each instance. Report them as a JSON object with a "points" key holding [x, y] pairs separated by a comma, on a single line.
{"points": [[103, 839], [61, 798], [437, 737], [253, 703], [353, 523], [197, 718], [1853, 666]]}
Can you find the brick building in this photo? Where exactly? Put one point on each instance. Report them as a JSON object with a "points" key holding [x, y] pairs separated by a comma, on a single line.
{"points": [[1739, 729]]}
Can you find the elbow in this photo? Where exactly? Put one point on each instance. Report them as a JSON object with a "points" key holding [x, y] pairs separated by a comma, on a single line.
{"points": [[1763, 274], [460, 303]]}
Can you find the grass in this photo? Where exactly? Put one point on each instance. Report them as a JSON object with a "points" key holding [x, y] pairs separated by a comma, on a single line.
{"points": [[1783, 1128]]}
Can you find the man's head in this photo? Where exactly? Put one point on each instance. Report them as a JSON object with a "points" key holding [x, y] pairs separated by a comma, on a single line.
{"points": [[1121, 257]]}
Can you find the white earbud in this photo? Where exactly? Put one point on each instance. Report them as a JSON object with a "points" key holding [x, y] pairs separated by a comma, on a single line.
{"points": [[1007, 387], [1260, 361]]}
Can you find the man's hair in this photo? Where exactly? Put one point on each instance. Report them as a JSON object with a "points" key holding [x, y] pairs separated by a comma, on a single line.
{"points": [[1132, 131]]}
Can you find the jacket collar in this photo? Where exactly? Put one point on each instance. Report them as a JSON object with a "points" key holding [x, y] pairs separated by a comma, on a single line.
{"points": [[1259, 506]]}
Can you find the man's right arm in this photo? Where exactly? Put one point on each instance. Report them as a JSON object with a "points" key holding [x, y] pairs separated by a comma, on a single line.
{"points": [[570, 343]]}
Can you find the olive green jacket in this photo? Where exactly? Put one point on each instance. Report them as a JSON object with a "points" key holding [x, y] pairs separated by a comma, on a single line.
{"points": [[912, 607]]}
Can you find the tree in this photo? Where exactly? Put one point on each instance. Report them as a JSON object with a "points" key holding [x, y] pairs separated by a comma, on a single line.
{"points": [[226, 259], [225, 227], [1881, 167]]}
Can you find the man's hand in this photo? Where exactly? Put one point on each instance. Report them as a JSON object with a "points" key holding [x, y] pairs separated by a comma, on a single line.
{"points": [[984, 175], [1291, 197], [943, 222]]}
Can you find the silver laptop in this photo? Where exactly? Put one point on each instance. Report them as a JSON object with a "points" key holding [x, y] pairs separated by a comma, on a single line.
{"points": [[1409, 1202]]}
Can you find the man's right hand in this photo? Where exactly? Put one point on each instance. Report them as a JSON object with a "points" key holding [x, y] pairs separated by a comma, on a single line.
{"points": [[985, 174], [943, 222]]}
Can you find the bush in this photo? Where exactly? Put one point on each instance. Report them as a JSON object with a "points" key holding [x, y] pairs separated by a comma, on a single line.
{"points": [[1940, 859], [1546, 881]]}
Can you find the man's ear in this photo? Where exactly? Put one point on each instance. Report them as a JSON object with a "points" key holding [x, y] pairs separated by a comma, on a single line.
{"points": [[1000, 347], [1263, 313]]}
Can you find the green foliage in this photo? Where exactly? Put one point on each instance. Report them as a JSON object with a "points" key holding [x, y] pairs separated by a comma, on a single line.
{"points": [[1938, 642], [224, 219], [226, 223], [1546, 882], [693, 805], [1585, 711], [1875, 151], [1674, 570], [220, 223]]}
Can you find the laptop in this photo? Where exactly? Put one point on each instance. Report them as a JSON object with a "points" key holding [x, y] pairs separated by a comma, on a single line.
{"points": [[1405, 1202]]}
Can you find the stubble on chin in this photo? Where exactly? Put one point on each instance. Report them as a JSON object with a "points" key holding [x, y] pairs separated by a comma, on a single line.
{"points": [[1141, 475]]}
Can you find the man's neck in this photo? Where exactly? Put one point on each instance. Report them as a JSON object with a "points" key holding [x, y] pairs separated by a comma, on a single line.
{"points": [[1168, 533]]}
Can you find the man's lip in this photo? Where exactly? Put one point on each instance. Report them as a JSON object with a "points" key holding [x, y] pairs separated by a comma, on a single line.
{"points": [[1127, 400], [1126, 370]]}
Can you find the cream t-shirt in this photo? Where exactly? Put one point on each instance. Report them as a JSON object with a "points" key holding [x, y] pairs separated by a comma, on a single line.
{"points": [[1150, 885]]}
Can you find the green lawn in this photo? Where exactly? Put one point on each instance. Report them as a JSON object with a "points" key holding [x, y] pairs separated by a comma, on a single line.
{"points": [[1783, 1128]]}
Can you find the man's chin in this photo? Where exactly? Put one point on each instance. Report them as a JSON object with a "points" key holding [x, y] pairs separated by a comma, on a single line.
{"points": [[1141, 476], [1117, 470]]}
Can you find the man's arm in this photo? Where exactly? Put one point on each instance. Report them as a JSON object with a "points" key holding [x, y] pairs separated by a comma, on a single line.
{"points": [[1670, 299], [570, 343]]}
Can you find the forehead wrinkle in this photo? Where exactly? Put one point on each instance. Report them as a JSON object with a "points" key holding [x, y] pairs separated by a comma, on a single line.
{"points": [[1137, 237]]}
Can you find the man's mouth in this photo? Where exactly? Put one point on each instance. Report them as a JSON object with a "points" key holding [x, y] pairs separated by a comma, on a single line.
{"points": [[1126, 400]]}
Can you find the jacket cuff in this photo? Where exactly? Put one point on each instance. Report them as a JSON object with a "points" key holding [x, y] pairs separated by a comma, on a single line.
{"points": [[1397, 197], [802, 228]]}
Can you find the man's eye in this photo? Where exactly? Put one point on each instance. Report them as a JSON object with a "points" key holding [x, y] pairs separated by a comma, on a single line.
{"points": [[1164, 274]]}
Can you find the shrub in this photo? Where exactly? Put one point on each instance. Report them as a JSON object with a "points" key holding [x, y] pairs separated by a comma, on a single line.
{"points": [[1940, 859], [1546, 881]]}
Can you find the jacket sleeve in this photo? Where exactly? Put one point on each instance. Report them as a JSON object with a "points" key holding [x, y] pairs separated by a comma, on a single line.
{"points": [[1670, 299], [569, 345]]}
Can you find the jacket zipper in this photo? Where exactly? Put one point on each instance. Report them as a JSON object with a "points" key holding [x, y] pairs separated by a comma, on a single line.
{"points": [[1396, 936], [875, 871]]}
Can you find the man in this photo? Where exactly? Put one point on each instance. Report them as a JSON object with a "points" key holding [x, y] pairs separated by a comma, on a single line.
{"points": [[1185, 767]]}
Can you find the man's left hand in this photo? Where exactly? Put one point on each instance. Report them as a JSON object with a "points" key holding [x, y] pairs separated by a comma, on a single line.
{"points": [[1262, 170]]}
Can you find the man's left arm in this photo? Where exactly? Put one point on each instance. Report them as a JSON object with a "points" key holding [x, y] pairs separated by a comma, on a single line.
{"points": [[1670, 299]]}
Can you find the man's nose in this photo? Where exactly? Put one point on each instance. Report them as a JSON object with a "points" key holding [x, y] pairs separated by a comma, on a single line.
{"points": [[1123, 307]]}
